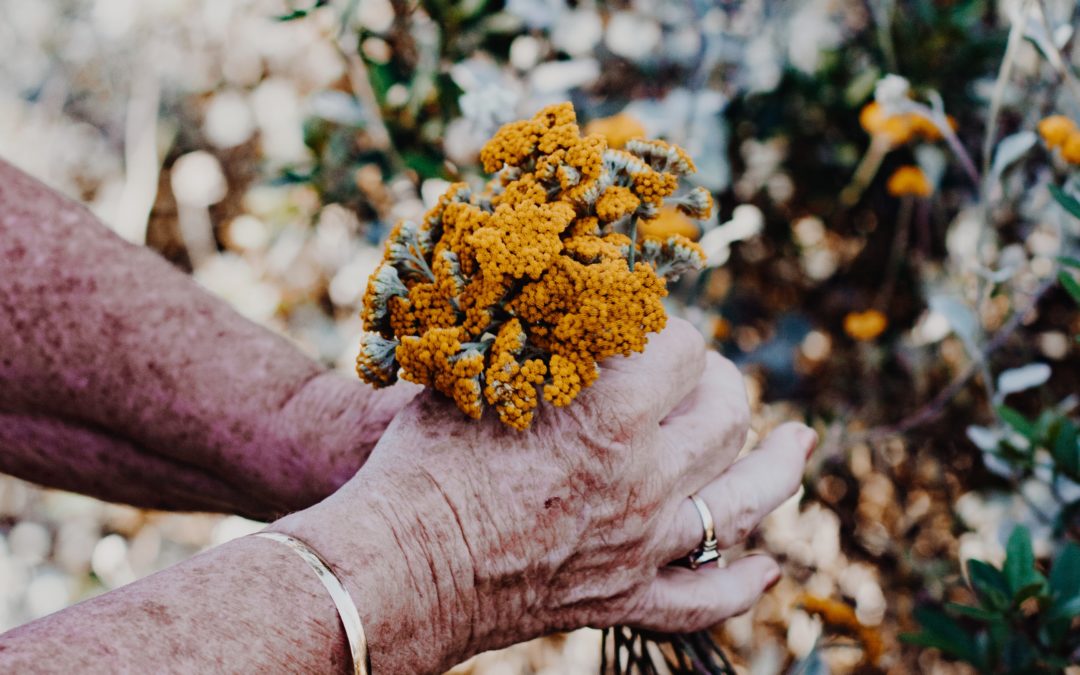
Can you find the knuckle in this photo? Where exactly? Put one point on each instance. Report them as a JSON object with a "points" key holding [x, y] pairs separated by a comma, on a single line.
{"points": [[740, 415], [637, 609], [744, 524], [724, 365], [687, 535], [688, 339], [742, 518]]}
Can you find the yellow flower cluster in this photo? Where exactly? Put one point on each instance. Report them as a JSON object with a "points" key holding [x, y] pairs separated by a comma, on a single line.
{"points": [[1060, 132], [898, 129], [909, 180], [841, 618], [865, 326], [617, 130], [503, 297]]}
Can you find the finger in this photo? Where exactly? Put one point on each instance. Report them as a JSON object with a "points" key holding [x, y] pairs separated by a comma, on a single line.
{"points": [[681, 600], [747, 492], [653, 382], [710, 425]]}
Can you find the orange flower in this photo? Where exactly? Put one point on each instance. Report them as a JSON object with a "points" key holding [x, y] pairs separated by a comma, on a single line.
{"points": [[1070, 151], [909, 180], [721, 328], [900, 128], [841, 617], [500, 298], [1056, 130], [616, 202], [617, 129], [865, 326], [926, 128]]}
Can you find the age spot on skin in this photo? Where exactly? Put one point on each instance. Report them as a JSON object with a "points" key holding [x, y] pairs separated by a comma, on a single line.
{"points": [[159, 613]]}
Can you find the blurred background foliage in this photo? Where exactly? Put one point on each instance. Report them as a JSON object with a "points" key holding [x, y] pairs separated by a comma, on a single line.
{"points": [[893, 261]]}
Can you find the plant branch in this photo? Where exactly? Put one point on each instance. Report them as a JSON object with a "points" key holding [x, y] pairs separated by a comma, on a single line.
{"points": [[936, 406]]}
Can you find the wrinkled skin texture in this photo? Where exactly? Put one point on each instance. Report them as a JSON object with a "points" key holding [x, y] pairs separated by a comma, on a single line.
{"points": [[572, 523], [454, 537], [121, 378]]}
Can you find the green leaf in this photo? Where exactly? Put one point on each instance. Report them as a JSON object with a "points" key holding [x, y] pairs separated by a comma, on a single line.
{"points": [[1015, 419], [1019, 560], [1068, 610], [1070, 284], [1067, 201], [1033, 589], [300, 13], [1018, 654], [1069, 262], [1066, 449], [942, 632], [990, 584], [1069, 514], [1065, 573], [425, 165], [1047, 424], [977, 613]]}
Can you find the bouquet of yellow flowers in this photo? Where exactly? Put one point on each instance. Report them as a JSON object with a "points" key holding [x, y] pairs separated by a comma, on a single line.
{"points": [[504, 296]]}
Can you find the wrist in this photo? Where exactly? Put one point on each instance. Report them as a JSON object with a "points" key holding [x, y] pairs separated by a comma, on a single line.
{"points": [[406, 567], [316, 441]]}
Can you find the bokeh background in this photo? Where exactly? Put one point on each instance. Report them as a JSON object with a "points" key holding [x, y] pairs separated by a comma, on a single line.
{"points": [[266, 147]]}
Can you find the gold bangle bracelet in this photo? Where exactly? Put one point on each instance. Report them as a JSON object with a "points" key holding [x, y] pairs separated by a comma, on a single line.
{"points": [[350, 618]]}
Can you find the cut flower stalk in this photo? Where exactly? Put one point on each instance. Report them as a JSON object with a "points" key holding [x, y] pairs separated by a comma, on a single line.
{"points": [[639, 652]]}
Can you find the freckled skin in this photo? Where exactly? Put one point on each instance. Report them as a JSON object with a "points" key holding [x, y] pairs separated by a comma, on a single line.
{"points": [[110, 358]]}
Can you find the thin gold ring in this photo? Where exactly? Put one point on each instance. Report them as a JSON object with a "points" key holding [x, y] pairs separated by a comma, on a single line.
{"points": [[709, 549]]}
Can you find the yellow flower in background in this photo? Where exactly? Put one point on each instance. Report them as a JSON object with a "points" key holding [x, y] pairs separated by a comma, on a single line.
{"points": [[841, 617], [500, 298], [1070, 151], [901, 128], [669, 222], [865, 326], [1056, 130], [898, 129], [617, 130], [909, 180]]}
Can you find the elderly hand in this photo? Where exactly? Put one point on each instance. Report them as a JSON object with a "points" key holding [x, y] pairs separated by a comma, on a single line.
{"points": [[509, 535]]}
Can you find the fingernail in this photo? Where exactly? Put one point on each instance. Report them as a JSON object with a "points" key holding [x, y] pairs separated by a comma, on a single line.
{"points": [[772, 577]]}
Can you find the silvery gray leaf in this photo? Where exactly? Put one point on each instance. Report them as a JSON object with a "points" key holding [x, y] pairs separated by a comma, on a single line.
{"points": [[1023, 378], [997, 465], [961, 318], [1009, 150], [932, 160], [984, 438]]}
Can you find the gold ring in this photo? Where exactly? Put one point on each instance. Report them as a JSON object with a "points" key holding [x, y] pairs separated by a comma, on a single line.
{"points": [[709, 549]]}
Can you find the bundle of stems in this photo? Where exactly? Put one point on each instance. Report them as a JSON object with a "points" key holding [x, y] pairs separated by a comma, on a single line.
{"points": [[639, 652]]}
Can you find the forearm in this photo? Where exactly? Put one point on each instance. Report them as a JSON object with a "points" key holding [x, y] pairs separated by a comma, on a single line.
{"points": [[254, 606], [68, 456], [107, 338]]}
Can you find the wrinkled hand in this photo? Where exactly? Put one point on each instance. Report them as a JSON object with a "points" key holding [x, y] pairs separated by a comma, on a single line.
{"points": [[573, 522]]}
